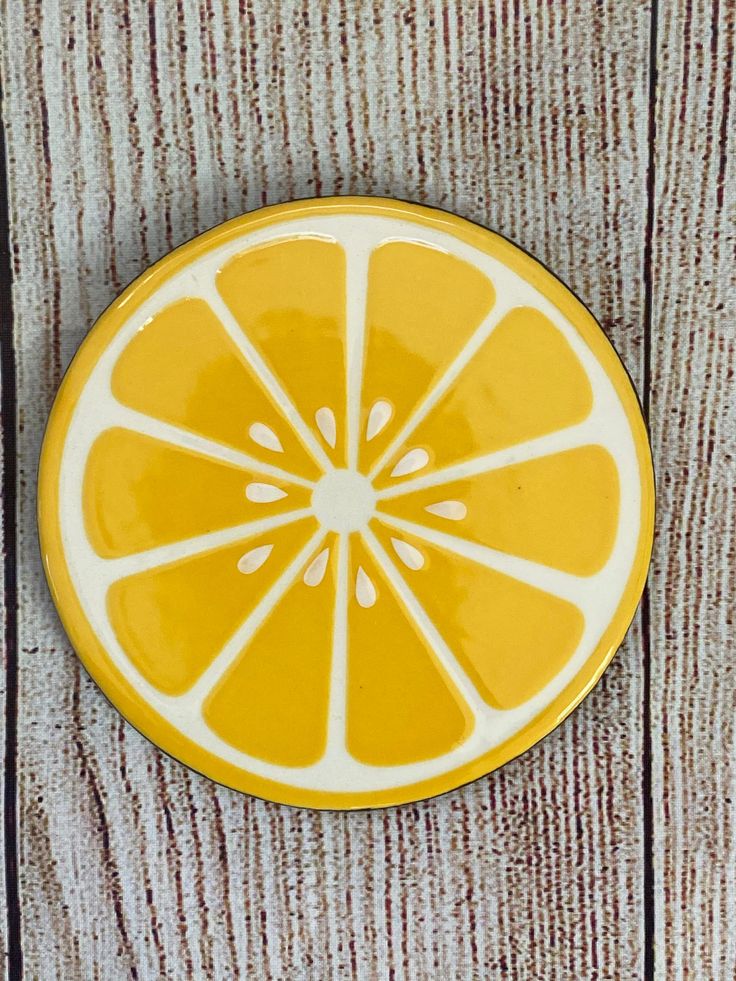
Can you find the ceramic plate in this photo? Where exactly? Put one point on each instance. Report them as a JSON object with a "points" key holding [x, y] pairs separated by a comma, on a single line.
{"points": [[346, 502]]}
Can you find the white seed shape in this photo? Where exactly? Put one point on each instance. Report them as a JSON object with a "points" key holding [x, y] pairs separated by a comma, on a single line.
{"points": [[411, 462], [410, 556], [265, 437], [317, 567], [365, 591], [263, 493], [325, 419], [378, 418], [452, 510], [254, 559]]}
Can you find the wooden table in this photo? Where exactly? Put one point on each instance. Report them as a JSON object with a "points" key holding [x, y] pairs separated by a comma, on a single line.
{"points": [[600, 136]]}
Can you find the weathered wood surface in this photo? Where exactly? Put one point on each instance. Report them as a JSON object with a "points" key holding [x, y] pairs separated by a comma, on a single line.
{"points": [[8, 572], [132, 126], [693, 411]]}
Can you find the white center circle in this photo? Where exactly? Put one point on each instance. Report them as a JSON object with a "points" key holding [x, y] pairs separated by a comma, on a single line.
{"points": [[343, 500]]}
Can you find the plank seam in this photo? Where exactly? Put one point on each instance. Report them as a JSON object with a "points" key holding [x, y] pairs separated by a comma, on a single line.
{"points": [[8, 413], [647, 747]]}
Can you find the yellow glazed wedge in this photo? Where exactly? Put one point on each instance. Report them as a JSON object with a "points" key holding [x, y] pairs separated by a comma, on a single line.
{"points": [[346, 502]]}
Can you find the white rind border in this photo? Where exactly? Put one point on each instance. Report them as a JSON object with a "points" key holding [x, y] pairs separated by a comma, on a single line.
{"points": [[597, 597]]}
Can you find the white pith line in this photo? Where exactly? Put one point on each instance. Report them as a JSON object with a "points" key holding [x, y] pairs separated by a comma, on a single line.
{"points": [[466, 355], [581, 434], [139, 422], [578, 590], [358, 258], [128, 565], [337, 706], [423, 622], [262, 371], [194, 698]]}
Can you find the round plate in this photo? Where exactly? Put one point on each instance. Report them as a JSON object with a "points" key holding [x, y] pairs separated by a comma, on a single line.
{"points": [[346, 502]]}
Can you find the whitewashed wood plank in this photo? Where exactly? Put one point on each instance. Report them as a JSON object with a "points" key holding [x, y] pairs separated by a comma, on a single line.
{"points": [[694, 434], [7, 664], [135, 125], [8, 617]]}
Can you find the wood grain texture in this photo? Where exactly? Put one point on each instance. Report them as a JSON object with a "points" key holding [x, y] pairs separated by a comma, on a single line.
{"points": [[132, 126], [8, 589], [693, 411], [6, 629]]}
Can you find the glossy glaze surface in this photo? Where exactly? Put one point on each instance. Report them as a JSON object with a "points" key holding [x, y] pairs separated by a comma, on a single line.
{"points": [[359, 499]]}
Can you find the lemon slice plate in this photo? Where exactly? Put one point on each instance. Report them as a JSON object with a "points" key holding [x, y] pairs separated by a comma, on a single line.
{"points": [[346, 502]]}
